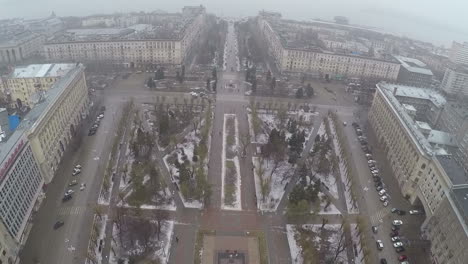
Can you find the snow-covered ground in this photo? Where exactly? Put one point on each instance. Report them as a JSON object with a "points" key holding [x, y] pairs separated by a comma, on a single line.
{"points": [[105, 194], [236, 205], [166, 203], [186, 148], [331, 209], [277, 182], [350, 203], [162, 247], [292, 232], [101, 227]]}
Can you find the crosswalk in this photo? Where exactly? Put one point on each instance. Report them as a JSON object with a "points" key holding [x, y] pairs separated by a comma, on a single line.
{"points": [[71, 210], [377, 217]]}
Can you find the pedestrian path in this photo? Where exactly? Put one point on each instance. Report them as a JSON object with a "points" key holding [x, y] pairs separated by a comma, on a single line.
{"points": [[377, 217], [71, 210]]}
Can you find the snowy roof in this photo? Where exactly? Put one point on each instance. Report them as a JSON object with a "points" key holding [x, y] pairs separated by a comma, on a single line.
{"points": [[42, 70], [409, 107], [413, 65], [441, 138], [98, 31], [423, 125], [415, 92]]}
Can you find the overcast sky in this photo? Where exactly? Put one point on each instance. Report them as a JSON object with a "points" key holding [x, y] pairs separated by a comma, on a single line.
{"points": [[438, 21]]}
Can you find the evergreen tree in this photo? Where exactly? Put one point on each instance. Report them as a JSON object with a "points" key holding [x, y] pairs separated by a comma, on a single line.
{"points": [[299, 93]]}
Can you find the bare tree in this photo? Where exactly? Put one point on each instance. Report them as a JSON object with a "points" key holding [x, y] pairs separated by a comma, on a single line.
{"points": [[160, 216]]}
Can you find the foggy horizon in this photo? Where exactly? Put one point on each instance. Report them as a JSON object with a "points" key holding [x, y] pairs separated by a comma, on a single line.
{"points": [[395, 17]]}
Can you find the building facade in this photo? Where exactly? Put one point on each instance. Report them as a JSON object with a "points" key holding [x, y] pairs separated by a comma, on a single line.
{"points": [[20, 46], [20, 186], [425, 176], [455, 81], [131, 48], [414, 72], [65, 105], [324, 64], [25, 83], [459, 53]]}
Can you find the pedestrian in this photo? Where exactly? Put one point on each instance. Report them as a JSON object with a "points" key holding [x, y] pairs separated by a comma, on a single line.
{"points": [[176, 239]]}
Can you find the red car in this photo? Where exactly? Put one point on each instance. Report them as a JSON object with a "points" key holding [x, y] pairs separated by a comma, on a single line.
{"points": [[402, 257]]}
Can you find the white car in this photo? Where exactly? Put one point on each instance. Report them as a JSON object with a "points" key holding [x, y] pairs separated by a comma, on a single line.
{"points": [[69, 192], [379, 244], [382, 192], [383, 198], [371, 161], [385, 204], [82, 186], [415, 212], [397, 244], [395, 239], [76, 172], [77, 166], [397, 222]]}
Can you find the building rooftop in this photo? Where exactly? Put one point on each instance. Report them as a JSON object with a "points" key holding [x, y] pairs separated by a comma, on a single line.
{"points": [[31, 119], [12, 40], [414, 65], [416, 92], [42, 70], [460, 196], [442, 138]]}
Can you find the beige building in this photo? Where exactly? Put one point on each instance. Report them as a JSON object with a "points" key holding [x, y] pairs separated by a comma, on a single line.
{"points": [[455, 81], [24, 84], [63, 108], [17, 47], [426, 173], [160, 45], [291, 56]]}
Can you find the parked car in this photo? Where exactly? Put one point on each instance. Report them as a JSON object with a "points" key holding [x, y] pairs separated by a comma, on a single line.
{"points": [[395, 228], [383, 261], [82, 186], [397, 244], [394, 210], [58, 224], [385, 204], [377, 179], [69, 192], [382, 192], [397, 222], [379, 244], [78, 166], [401, 212], [404, 262], [379, 187], [415, 212], [76, 172], [395, 239], [91, 132], [73, 183], [400, 249], [374, 229], [383, 198], [66, 198], [103, 108], [394, 233], [402, 258], [379, 184]]}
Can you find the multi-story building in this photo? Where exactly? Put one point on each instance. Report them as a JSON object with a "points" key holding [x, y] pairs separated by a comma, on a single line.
{"points": [[426, 173], [20, 187], [459, 53], [16, 47], [414, 72], [61, 109], [45, 26], [24, 84], [169, 42], [293, 53], [455, 81]]}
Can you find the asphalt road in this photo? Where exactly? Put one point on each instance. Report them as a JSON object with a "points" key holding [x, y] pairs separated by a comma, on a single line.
{"points": [[69, 243]]}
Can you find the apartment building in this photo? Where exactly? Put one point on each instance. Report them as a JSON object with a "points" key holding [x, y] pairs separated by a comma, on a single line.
{"points": [[459, 53], [426, 173], [293, 55], [16, 47], [25, 83], [414, 72], [20, 186], [455, 81], [59, 112], [168, 42]]}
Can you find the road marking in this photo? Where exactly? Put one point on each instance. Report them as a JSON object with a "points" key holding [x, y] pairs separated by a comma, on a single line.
{"points": [[71, 210], [377, 218]]}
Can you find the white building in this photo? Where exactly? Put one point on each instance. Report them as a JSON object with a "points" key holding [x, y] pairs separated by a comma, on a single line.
{"points": [[459, 53], [455, 81], [426, 173], [308, 57], [169, 43], [20, 186], [20, 46]]}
